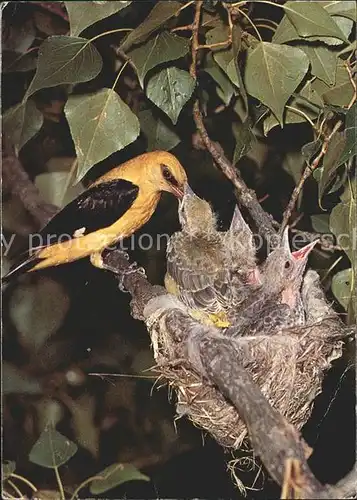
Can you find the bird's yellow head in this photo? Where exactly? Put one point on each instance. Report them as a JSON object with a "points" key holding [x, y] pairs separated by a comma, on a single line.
{"points": [[163, 172]]}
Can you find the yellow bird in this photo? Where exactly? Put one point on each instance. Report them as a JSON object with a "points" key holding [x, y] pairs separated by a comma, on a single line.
{"points": [[112, 208]]}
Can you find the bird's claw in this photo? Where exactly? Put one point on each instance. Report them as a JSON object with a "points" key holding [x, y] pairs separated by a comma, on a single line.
{"points": [[132, 268]]}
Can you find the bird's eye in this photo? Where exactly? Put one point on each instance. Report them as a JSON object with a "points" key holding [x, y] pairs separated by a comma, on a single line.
{"points": [[287, 264], [168, 175]]}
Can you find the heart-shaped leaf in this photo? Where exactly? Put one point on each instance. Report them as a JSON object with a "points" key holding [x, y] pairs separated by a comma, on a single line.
{"points": [[343, 221], [341, 93], [331, 161], [321, 223], [245, 140], [224, 57], [310, 19], [21, 123], [307, 102], [225, 85], [55, 188], [342, 287], [161, 12], [80, 18], [350, 134], [13, 62], [162, 48], [93, 120], [38, 310], [8, 468], [170, 89], [160, 136], [115, 475], [52, 449], [323, 62], [14, 381], [64, 60], [343, 8], [272, 74]]}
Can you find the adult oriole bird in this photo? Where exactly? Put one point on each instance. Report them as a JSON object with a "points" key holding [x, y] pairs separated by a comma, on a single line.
{"points": [[112, 208], [200, 268]]}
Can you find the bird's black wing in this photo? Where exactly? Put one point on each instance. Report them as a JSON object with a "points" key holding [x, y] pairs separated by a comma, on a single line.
{"points": [[96, 208]]}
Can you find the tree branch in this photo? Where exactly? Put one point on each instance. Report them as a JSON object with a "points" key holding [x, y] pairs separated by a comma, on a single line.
{"points": [[247, 197], [306, 174], [17, 182]]}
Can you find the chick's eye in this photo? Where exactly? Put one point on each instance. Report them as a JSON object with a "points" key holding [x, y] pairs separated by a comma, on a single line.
{"points": [[287, 264]]}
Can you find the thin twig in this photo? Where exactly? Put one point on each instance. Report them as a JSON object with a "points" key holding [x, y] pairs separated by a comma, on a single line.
{"points": [[306, 174], [246, 196], [17, 182]]}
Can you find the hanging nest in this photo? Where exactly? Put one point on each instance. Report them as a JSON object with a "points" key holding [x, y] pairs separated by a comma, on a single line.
{"points": [[288, 367]]}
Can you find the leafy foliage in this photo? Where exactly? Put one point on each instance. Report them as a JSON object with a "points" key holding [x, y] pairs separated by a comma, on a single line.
{"points": [[118, 76]]}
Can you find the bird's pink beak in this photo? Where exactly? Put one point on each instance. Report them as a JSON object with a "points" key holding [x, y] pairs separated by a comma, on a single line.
{"points": [[304, 251]]}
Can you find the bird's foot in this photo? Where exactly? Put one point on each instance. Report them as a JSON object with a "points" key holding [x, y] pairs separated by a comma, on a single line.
{"points": [[96, 259], [132, 268]]}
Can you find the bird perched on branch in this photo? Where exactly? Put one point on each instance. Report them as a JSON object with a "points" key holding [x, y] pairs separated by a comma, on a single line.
{"points": [[202, 263], [277, 303], [111, 209]]}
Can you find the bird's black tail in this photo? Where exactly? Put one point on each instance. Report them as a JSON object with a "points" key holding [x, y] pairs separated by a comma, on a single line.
{"points": [[24, 265]]}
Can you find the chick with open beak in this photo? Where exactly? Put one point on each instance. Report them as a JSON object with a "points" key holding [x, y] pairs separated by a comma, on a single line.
{"points": [[277, 304]]}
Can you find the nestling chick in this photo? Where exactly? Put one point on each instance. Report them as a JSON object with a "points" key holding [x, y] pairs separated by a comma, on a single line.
{"points": [[245, 273], [277, 304], [203, 264], [196, 261]]}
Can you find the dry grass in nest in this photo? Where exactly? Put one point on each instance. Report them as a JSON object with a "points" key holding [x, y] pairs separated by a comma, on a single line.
{"points": [[288, 367]]}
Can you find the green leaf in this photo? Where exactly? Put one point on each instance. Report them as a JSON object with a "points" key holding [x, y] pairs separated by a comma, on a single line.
{"points": [[272, 74], [65, 60], [225, 85], [52, 449], [93, 120], [341, 287], [323, 62], [350, 48], [341, 93], [286, 32], [320, 223], [115, 475], [293, 164], [162, 48], [21, 123], [14, 381], [80, 18], [13, 62], [160, 136], [350, 134], [307, 102], [38, 310], [161, 13], [225, 58], [331, 162], [309, 150], [310, 19], [56, 188], [244, 138], [343, 8], [343, 221], [8, 468], [170, 89]]}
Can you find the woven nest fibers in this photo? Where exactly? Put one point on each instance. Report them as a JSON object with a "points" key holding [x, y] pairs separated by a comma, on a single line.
{"points": [[288, 367]]}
